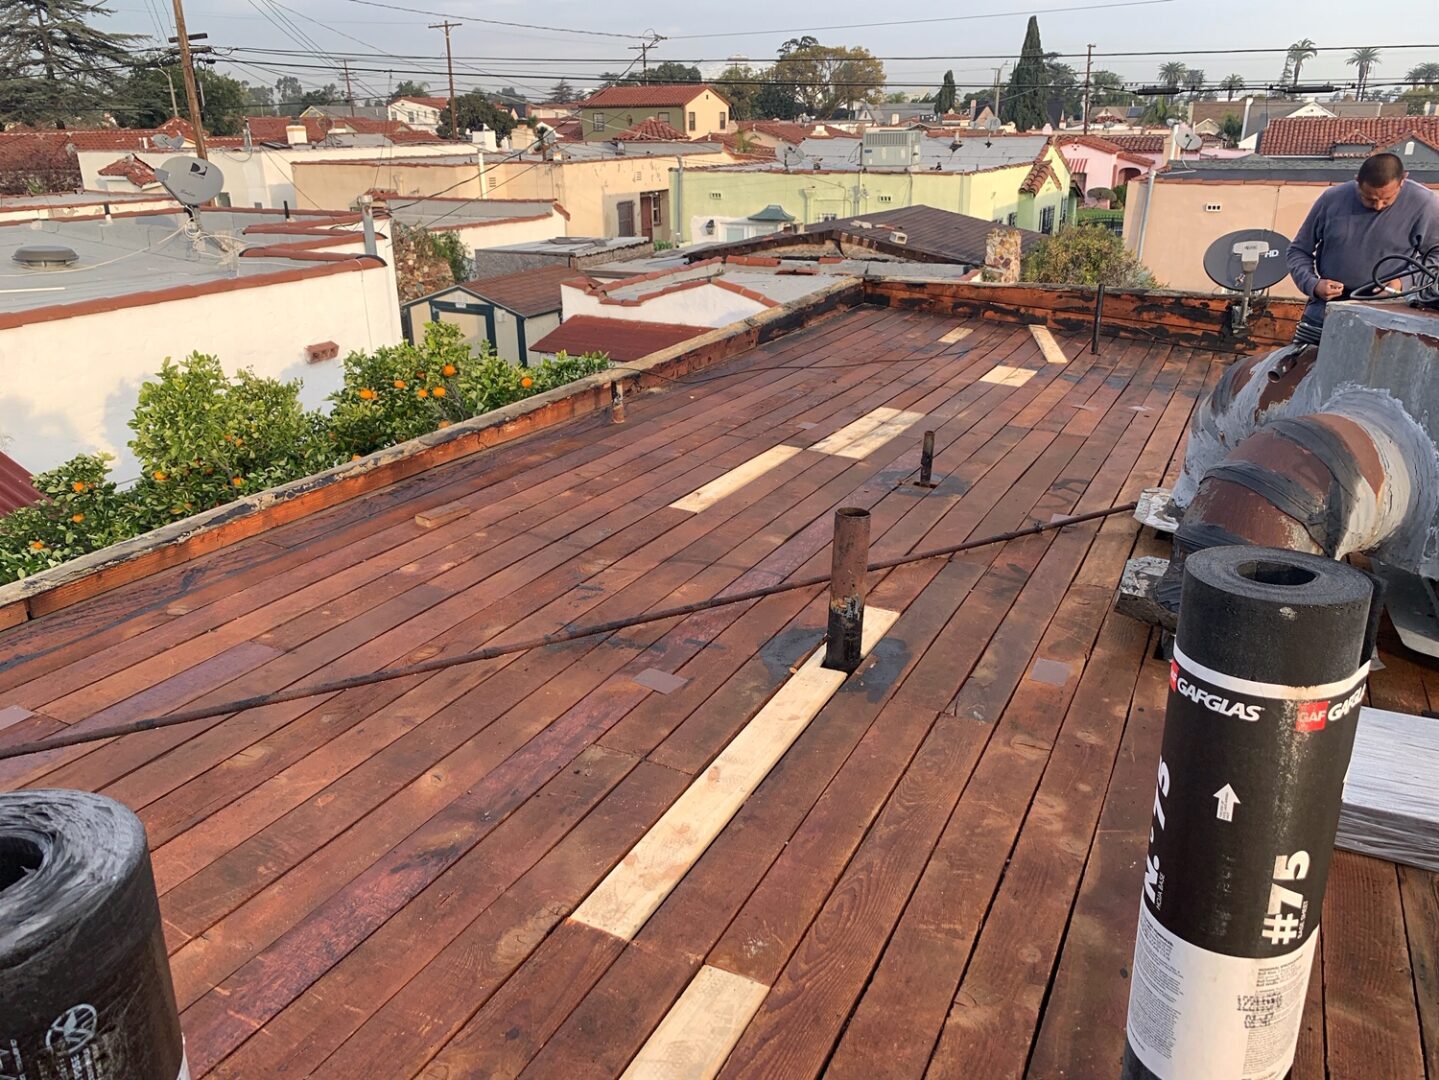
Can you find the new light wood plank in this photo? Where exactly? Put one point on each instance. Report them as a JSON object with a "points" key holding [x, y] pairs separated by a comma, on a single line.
{"points": [[630, 894], [721, 487], [1004, 375], [959, 333], [1053, 354], [867, 444], [701, 1029], [866, 425]]}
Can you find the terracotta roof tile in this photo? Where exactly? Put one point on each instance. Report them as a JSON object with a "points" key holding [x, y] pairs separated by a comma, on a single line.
{"points": [[783, 130], [434, 102], [651, 130], [622, 340], [1139, 144], [132, 169], [317, 128], [1318, 136], [526, 292], [642, 97]]}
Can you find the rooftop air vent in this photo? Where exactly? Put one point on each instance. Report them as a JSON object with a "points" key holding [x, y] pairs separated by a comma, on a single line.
{"points": [[45, 257]]}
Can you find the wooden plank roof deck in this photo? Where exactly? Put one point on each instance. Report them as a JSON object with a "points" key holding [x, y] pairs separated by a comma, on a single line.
{"points": [[940, 876]]}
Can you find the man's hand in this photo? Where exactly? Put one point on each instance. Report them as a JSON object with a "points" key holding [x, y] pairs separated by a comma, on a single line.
{"points": [[1328, 289]]}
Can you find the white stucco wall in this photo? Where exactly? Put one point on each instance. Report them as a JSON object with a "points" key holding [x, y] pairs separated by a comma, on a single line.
{"points": [[261, 175], [704, 305], [71, 384], [509, 231]]}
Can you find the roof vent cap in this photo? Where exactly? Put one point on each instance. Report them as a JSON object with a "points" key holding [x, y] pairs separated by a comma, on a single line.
{"points": [[45, 256]]}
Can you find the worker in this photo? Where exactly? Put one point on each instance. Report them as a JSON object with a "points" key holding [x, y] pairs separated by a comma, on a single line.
{"points": [[1353, 225]]}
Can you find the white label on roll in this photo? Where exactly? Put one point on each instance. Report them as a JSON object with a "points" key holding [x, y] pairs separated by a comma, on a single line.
{"points": [[1241, 1015]]}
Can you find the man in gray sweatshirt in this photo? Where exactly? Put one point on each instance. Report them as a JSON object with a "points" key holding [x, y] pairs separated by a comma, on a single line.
{"points": [[1351, 227]]}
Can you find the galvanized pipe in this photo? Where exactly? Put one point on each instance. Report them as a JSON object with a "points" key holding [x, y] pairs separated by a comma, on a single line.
{"points": [[846, 588], [617, 403], [1098, 319]]}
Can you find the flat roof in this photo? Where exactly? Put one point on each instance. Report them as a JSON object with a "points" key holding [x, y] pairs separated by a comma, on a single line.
{"points": [[1256, 167], [79, 198], [423, 212], [407, 873], [977, 151], [137, 254], [603, 150], [572, 245]]}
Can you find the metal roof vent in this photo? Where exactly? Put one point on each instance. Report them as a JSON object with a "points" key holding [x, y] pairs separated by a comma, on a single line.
{"points": [[45, 256]]}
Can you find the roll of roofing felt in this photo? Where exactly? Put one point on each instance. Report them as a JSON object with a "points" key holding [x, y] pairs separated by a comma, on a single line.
{"points": [[85, 987], [1270, 663]]}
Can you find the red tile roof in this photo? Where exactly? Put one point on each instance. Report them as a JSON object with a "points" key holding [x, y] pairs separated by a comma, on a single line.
{"points": [[782, 130], [125, 138], [132, 169], [273, 128], [731, 141], [651, 130], [27, 157], [1139, 144], [622, 340], [433, 102], [15, 488], [1317, 136], [526, 292], [643, 97]]}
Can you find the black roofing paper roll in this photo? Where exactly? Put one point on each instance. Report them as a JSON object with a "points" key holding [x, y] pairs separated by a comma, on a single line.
{"points": [[1270, 662], [85, 987]]}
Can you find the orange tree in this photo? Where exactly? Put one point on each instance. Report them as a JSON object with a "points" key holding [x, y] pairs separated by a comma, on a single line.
{"points": [[80, 512]]}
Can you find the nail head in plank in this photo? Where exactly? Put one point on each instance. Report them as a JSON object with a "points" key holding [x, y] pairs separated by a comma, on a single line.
{"points": [[701, 1028]]}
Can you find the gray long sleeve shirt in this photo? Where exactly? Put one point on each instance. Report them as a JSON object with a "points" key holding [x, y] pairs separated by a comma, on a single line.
{"points": [[1342, 239]]}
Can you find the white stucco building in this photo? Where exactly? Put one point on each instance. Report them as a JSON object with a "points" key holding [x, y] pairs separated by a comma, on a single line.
{"points": [[285, 298]]}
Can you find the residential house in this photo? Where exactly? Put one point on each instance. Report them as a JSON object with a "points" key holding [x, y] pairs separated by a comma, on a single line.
{"points": [[508, 311], [780, 135], [421, 111], [1098, 162], [1020, 180], [1413, 138], [260, 167], [695, 109], [895, 114], [346, 112], [478, 224], [552, 110], [283, 296], [1196, 205]]}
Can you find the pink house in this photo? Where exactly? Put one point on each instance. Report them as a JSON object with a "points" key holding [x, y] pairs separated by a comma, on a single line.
{"points": [[1096, 162]]}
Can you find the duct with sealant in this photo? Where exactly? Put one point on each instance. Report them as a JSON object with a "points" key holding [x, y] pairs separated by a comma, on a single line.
{"points": [[1269, 668], [86, 990]]}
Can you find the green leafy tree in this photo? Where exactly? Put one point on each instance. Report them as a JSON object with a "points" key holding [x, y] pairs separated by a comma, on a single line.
{"points": [[409, 88], [1231, 85], [329, 94], [739, 84], [476, 109], [669, 72], [56, 66], [1064, 88], [1085, 255], [1023, 102], [1365, 60], [1419, 102], [1232, 129], [80, 513], [259, 100], [1161, 110], [562, 92], [1107, 88], [824, 78], [948, 93], [288, 92], [224, 100]]}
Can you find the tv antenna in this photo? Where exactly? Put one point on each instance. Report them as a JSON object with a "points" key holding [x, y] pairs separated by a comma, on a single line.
{"points": [[1245, 262]]}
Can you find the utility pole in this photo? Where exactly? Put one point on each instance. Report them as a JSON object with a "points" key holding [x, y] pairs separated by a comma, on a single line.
{"points": [[1088, 63], [349, 92], [643, 48], [192, 93], [998, 74], [446, 26]]}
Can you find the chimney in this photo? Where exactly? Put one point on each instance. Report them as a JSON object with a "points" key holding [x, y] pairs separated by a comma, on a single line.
{"points": [[483, 137], [1002, 255], [297, 135]]}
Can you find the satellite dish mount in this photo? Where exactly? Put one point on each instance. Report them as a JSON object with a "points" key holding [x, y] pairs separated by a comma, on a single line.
{"points": [[1246, 262], [192, 181]]}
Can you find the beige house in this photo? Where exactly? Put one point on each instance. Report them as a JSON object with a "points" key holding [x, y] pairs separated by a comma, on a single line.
{"points": [[1196, 206], [692, 108]]}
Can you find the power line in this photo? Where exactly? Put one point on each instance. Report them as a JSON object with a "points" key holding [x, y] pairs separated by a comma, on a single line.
{"points": [[495, 22]]}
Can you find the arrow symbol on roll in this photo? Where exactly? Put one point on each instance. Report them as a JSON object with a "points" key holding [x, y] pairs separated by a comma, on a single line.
{"points": [[1227, 802]]}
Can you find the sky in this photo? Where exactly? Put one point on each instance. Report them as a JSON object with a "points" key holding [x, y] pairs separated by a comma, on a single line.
{"points": [[385, 44]]}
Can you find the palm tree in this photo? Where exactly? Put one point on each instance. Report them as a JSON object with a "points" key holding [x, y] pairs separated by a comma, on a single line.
{"points": [[1300, 51], [1172, 73], [1231, 85], [1160, 111], [1364, 59], [1194, 80], [1423, 75]]}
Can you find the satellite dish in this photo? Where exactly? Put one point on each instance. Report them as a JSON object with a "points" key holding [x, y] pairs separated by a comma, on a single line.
{"points": [[1225, 261], [169, 142], [193, 181], [1188, 139]]}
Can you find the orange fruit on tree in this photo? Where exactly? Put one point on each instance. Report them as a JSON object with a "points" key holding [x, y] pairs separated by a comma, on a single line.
{"points": [[399, 384], [367, 394], [527, 382], [77, 518], [160, 476], [439, 391], [238, 481], [37, 545], [78, 485], [422, 393], [449, 369]]}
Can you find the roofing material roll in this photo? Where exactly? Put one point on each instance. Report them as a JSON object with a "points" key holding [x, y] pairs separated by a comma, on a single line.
{"points": [[1270, 663], [86, 989]]}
